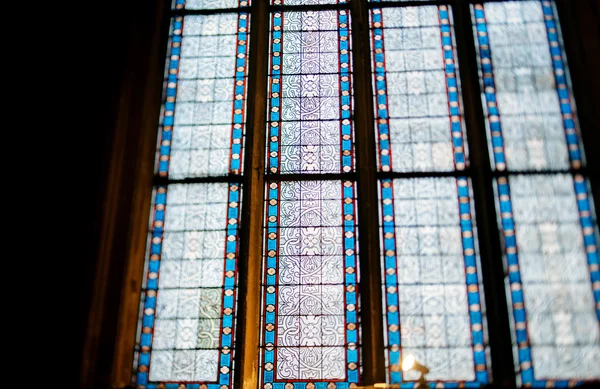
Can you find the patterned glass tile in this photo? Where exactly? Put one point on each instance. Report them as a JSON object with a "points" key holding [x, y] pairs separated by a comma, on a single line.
{"points": [[210, 4], [307, 2], [434, 305], [526, 89], [310, 89], [189, 296], [206, 96], [418, 114], [309, 323], [555, 309]]}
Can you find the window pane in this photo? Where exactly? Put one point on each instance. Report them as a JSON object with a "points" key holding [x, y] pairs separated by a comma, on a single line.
{"points": [[554, 307], [310, 307], [433, 300], [310, 323], [417, 98], [188, 303], [548, 228], [434, 305], [310, 104], [526, 88], [189, 299], [207, 88], [210, 4]]}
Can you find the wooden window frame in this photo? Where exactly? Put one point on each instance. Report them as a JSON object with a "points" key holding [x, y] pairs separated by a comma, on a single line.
{"points": [[108, 347]]}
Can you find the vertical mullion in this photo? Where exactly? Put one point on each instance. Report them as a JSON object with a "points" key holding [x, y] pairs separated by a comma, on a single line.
{"points": [[373, 360], [249, 301], [493, 271]]}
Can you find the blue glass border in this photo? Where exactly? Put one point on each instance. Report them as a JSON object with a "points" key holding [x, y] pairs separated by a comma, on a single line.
{"points": [[525, 366], [394, 346], [268, 376], [275, 98], [225, 363]]}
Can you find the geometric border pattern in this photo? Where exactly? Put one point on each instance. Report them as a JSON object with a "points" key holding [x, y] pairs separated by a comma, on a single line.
{"points": [[525, 370], [393, 329], [232, 221], [269, 321]]}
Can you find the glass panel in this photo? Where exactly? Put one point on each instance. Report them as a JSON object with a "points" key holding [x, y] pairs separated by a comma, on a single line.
{"points": [[307, 2], [434, 305], [210, 4], [526, 87], [548, 226], [418, 114], [189, 296], [188, 303], [310, 107], [310, 323], [206, 95], [432, 295], [555, 309]]}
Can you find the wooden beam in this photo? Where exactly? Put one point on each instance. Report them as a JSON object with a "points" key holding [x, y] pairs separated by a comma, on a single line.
{"points": [[373, 358], [490, 248], [108, 347], [251, 234]]}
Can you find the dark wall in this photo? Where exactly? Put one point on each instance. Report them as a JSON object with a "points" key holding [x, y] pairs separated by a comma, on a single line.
{"points": [[113, 41], [103, 56]]}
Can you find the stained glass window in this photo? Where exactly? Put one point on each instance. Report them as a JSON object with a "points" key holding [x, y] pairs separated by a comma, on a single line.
{"points": [[188, 304], [422, 176], [547, 222], [310, 307], [433, 304]]}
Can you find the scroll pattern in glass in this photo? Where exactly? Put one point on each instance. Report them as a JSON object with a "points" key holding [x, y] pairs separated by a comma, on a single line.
{"points": [[310, 323], [210, 4], [432, 296], [310, 306], [555, 319], [310, 101], [189, 298]]}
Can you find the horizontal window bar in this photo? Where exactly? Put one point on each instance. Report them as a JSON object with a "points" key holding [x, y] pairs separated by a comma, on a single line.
{"points": [[469, 171], [413, 3], [453, 173], [197, 180], [308, 7], [311, 177], [549, 172], [186, 12]]}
